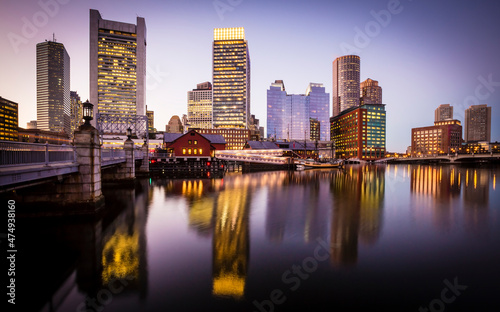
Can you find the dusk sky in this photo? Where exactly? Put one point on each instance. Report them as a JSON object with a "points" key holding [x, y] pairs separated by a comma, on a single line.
{"points": [[423, 53]]}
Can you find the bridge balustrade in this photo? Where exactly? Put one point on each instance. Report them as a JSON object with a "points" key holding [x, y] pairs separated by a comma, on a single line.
{"points": [[21, 153]]}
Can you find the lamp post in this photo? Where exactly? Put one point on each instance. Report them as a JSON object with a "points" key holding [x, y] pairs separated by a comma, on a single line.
{"points": [[87, 112], [129, 133]]}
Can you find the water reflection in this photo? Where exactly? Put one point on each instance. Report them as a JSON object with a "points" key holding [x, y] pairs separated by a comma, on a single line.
{"points": [[358, 196], [444, 189]]}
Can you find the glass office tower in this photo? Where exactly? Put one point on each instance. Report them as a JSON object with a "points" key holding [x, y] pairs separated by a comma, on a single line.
{"points": [[319, 108], [231, 79]]}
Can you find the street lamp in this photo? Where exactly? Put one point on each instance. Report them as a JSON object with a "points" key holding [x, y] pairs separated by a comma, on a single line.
{"points": [[88, 112], [129, 133]]}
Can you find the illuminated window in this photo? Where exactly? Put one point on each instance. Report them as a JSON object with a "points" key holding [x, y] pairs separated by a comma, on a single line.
{"points": [[195, 141], [201, 151], [184, 151], [189, 151], [190, 142]]}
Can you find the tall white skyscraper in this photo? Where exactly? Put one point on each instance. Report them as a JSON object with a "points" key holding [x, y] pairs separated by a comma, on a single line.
{"points": [[52, 87]]}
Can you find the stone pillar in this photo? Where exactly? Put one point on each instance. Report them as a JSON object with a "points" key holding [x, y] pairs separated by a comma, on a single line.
{"points": [[87, 185], [144, 168], [128, 168]]}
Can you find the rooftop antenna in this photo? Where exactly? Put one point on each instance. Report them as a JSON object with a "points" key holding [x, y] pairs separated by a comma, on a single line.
{"points": [[54, 37]]}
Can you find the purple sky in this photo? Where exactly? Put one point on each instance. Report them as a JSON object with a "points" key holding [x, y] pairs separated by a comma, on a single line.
{"points": [[423, 53]]}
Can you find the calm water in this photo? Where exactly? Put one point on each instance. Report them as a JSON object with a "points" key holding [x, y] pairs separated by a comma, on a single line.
{"points": [[381, 237]]}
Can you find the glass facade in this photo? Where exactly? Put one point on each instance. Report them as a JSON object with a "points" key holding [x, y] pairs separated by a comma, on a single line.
{"points": [[289, 115], [319, 108], [277, 124], [53, 87], [346, 83], [231, 79]]}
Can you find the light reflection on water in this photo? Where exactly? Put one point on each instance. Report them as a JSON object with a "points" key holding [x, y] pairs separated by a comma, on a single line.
{"points": [[224, 244]]}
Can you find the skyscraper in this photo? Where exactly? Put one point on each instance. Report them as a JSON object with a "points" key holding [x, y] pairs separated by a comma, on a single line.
{"points": [[200, 106], [52, 87], [319, 108], [117, 67], [276, 106], [477, 123], [75, 112], [289, 115], [443, 112], [231, 79], [346, 86], [370, 92]]}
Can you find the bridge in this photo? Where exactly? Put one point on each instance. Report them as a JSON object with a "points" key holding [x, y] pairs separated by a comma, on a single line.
{"points": [[451, 158], [75, 171]]}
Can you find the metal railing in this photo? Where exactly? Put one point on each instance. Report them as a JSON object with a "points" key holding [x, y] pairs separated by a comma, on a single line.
{"points": [[20, 153], [14, 153]]}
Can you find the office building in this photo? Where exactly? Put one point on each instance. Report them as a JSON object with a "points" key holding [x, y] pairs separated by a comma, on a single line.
{"points": [[319, 108], [52, 87], [371, 92], [117, 68], [235, 138], [443, 112], [151, 120], [76, 112], [9, 120], [359, 132], [346, 83], [477, 123], [42, 136], [443, 138], [231, 79], [200, 106], [277, 124], [289, 115]]}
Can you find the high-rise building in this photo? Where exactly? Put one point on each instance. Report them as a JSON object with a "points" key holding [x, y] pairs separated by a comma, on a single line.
{"points": [[371, 92], [444, 137], [443, 112], [289, 115], [151, 120], [359, 132], [319, 108], [76, 116], [231, 79], [346, 86], [117, 67], [200, 106], [478, 123], [277, 127], [52, 87], [9, 120]]}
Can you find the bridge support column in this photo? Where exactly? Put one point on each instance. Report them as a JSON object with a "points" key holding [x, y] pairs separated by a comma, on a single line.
{"points": [[124, 173], [144, 167]]}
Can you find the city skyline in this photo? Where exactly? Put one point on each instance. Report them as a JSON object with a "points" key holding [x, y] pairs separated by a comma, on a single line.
{"points": [[420, 65]]}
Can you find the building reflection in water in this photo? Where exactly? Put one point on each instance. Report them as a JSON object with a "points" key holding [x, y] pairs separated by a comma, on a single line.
{"points": [[124, 241], [297, 205], [358, 194], [439, 188], [220, 208]]}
